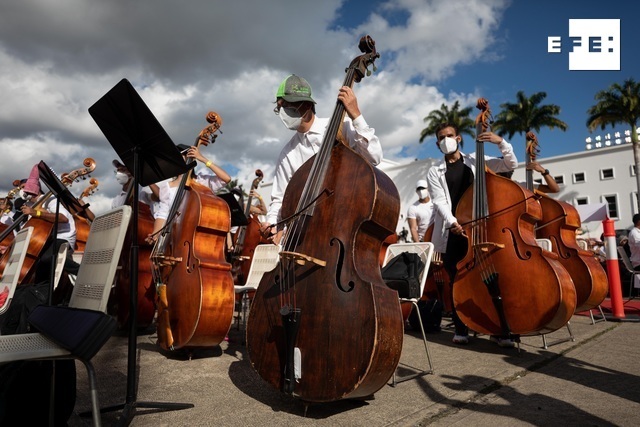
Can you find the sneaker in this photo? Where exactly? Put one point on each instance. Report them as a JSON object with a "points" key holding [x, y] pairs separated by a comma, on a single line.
{"points": [[503, 342], [461, 339]]}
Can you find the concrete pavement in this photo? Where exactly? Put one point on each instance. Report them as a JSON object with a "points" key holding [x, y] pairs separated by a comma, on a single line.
{"points": [[593, 380]]}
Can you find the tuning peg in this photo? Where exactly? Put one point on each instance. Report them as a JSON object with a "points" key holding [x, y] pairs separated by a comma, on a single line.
{"points": [[368, 73]]}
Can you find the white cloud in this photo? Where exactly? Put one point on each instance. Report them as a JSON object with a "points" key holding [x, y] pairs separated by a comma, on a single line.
{"points": [[186, 59]]}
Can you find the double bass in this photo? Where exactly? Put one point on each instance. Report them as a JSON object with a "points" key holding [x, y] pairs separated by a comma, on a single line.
{"points": [[559, 223], [195, 293], [506, 284], [246, 239], [41, 229], [119, 301], [301, 330]]}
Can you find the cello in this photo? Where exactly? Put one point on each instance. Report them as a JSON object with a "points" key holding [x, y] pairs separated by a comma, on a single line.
{"points": [[327, 284], [194, 285], [506, 284], [119, 301], [559, 223], [83, 224], [247, 238], [41, 229]]}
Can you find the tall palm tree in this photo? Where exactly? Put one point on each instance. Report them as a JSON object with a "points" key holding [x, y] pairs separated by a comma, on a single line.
{"points": [[456, 116], [619, 104], [527, 114]]}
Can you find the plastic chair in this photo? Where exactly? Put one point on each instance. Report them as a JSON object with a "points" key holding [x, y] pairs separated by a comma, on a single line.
{"points": [[88, 301], [425, 250], [11, 272], [265, 258], [629, 267]]}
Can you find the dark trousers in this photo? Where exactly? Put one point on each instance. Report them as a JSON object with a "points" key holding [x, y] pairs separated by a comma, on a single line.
{"points": [[456, 250], [47, 256]]}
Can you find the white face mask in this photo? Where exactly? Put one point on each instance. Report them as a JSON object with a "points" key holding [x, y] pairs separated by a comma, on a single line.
{"points": [[423, 194], [24, 195], [448, 145], [122, 178], [290, 117]]}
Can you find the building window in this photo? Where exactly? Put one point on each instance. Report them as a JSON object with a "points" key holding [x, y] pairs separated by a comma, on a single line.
{"points": [[582, 200], [579, 177], [559, 179], [538, 181], [632, 170], [612, 205], [607, 174], [634, 203]]}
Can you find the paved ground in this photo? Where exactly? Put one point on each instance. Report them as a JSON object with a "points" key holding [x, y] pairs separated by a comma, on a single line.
{"points": [[591, 381]]}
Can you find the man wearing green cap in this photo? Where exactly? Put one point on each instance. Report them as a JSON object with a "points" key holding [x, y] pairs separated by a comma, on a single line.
{"points": [[296, 109]]}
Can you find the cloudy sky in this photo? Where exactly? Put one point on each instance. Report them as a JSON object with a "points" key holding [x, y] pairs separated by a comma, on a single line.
{"points": [[186, 58]]}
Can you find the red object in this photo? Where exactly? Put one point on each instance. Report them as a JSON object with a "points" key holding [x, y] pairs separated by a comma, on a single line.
{"points": [[613, 272]]}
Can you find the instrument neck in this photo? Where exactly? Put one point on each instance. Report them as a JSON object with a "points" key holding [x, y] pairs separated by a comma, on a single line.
{"points": [[529, 174]]}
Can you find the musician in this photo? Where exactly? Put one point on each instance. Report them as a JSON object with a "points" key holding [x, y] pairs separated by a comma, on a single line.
{"points": [[66, 227], [420, 213], [550, 185], [447, 182], [6, 206], [296, 108], [634, 242], [165, 191], [20, 200]]}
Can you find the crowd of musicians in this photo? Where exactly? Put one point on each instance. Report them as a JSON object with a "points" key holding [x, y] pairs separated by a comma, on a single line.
{"points": [[431, 218]]}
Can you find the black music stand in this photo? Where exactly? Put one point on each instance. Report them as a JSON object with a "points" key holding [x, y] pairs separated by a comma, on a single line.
{"points": [[237, 214], [147, 150], [63, 196]]}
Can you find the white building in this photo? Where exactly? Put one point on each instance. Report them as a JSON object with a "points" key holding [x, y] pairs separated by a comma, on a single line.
{"points": [[600, 175]]}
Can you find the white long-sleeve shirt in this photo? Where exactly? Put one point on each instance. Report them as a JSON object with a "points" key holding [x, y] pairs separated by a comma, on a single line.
{"points": [[439, 191], [302, 146], [634, 246]]}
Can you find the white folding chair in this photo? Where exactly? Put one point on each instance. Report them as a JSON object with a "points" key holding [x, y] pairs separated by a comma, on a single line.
{"points": [[425, 251], [11, 272], [265, 258], [629, 267], [90, 293]]}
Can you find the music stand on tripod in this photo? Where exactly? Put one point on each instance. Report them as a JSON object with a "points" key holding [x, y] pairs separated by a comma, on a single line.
{"points": [[147, 150]]}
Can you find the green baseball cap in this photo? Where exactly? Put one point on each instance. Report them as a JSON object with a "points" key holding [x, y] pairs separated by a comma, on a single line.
{"points": [[295, 89]]}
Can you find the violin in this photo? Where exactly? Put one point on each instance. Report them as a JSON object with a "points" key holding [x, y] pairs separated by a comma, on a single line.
{"points": [[338, 210], [246, 239], [194, 285], [559, 223], [506, 284]]}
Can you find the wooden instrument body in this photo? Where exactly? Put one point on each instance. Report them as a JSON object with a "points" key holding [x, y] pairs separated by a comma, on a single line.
{"points": [[199, 286], [350, 328], [537, 291], [589, 278], [146, 289]]}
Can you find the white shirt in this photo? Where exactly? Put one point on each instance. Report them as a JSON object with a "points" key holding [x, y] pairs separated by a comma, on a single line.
{"points": [[423, 214], [302, 146], [66, 230], [634, 245], [439, 191], [167, 193], [144, 196]]}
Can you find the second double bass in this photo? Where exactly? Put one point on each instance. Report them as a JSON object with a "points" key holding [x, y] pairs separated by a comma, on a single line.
{"points": [[507, 284]]}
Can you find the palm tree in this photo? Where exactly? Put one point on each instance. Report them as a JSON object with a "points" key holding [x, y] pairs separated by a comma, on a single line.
{"points": [[526, 114], [456, 116], [619, 104]]}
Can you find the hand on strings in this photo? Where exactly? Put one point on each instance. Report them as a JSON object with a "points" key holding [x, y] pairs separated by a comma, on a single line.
{"points": [[194, 153], [457, 229], [266, 230], [535, 166], [490, 137], [349, 100]]}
